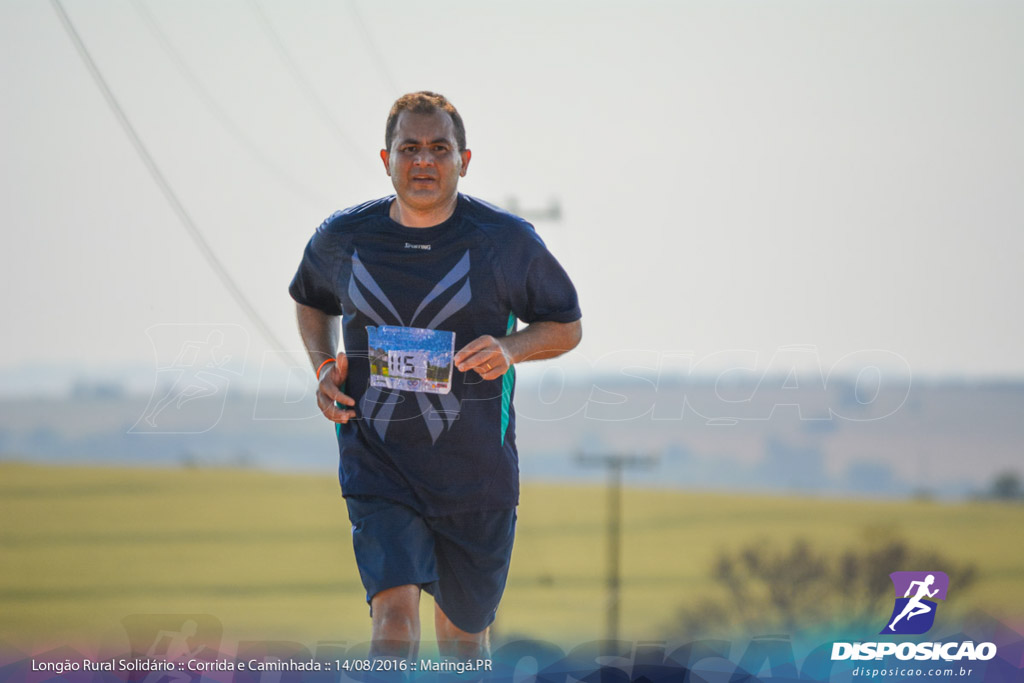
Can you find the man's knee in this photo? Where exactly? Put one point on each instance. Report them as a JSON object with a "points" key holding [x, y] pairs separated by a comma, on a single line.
{"points": [[396, 613], [452, 641]]}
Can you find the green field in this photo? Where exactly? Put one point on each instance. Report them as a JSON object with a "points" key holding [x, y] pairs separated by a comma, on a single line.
{"points": [[269, 554]]}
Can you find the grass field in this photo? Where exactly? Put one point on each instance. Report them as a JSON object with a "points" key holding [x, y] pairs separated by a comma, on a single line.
{"points": [[269, 554]]}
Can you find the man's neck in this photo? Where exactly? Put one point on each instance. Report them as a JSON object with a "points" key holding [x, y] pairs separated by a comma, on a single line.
{"points": [[405, 215]]}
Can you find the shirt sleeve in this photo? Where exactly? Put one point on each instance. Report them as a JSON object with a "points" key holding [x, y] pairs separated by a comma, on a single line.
{"points": [[313, 284], [539, 288]]}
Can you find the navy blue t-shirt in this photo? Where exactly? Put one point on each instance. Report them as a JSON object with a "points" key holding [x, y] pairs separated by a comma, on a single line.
{"points": [[474, 274]]}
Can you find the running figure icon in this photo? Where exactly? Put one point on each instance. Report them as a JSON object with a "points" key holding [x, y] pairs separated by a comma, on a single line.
{"points": [[915, 606], [916, 595]]}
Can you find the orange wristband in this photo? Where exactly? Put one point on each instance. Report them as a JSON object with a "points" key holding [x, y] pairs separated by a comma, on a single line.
{"points": [[329, 360]]}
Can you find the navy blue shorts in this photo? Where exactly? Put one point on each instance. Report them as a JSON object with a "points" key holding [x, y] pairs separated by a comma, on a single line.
{"points": [[462, 559]]}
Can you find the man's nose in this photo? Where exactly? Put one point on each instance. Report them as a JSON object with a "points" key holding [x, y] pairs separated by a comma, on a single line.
{"points": [[424, 158]]}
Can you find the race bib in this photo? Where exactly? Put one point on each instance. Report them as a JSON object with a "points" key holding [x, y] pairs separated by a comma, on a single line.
{"points": [[411, 358]]}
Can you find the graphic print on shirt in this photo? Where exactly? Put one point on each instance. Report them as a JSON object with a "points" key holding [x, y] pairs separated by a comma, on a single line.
{"points": [[378, 404]]}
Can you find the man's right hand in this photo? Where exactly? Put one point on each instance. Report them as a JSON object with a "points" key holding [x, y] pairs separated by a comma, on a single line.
{"points": [[332, 378]]}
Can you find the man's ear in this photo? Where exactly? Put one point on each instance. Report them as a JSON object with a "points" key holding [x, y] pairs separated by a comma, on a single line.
{"points": [[466, 156], [386, 158]]}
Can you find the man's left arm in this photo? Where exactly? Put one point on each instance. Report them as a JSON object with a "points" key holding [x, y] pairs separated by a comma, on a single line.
{"points": [[491, 357]]}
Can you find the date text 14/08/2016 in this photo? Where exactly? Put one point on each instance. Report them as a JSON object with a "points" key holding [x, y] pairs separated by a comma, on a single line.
{"points": [[450, 666]]}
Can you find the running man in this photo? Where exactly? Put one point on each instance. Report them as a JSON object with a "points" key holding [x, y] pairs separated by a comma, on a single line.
{"points": [[436, 280], [914, 606]]}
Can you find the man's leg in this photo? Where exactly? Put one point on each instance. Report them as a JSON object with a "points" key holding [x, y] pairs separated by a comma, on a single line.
{"points": [[473, 551], [394, 551], [452, 641], [396, 622]]}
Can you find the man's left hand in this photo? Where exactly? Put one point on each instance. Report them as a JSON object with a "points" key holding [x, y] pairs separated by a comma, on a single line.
{"points": [[486, 355]]}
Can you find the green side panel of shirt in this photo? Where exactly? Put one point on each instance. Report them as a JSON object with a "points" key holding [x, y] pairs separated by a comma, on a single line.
{"points": [[508, 381]]}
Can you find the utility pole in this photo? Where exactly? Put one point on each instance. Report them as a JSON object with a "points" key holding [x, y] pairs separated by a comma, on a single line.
{"points": [[615, 463]]}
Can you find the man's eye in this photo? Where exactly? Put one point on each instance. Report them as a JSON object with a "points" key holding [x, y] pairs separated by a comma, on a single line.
{"points": [[440, 148], [409, 150]]}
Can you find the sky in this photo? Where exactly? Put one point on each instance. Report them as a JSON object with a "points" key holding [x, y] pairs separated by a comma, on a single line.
{"points": [[744, 185]]}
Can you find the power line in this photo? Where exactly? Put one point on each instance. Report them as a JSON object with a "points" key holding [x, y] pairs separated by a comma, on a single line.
{"points": [[372, 45], [319, 105], [161, 181], [211, 103]]}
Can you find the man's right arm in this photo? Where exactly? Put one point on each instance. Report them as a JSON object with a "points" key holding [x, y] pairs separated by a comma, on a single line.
{"points": [[321, 336]]}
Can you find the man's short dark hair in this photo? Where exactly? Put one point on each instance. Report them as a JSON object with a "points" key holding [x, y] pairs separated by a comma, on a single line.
{"points": [[424, 102]]}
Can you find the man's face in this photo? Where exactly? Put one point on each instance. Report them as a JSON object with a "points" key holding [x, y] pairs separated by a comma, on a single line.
{"points": [[424, 161]]}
